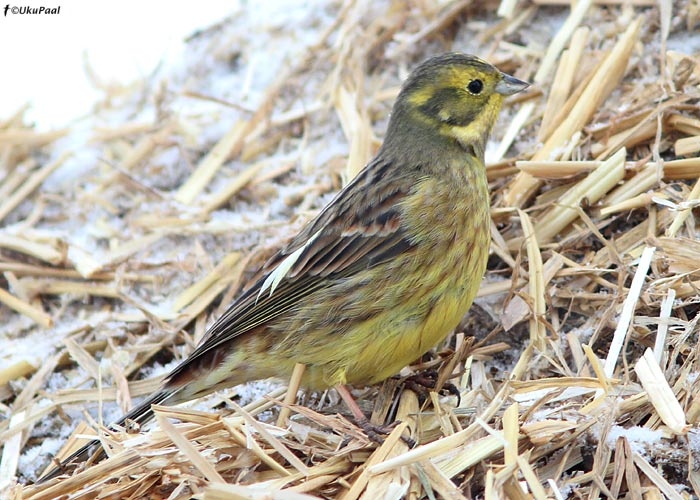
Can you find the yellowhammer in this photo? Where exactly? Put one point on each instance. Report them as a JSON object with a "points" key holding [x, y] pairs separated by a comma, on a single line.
{"points": [[385, 271]]}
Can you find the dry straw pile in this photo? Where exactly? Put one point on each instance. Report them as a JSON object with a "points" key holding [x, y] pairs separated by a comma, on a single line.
{"points": [[582, 378]]}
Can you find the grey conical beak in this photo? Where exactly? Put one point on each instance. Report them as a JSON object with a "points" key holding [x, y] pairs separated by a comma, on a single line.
{"points": [[510, 85]]}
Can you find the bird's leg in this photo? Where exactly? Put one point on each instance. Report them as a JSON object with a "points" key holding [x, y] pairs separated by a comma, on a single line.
{"points": [[373, 431]]}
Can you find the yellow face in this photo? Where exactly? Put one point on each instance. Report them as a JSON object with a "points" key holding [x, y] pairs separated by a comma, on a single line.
{"points": [[460, 95], [457, 94]]}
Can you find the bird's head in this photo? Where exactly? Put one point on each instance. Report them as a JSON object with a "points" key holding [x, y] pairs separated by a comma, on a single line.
{"points": [[458, 95]]}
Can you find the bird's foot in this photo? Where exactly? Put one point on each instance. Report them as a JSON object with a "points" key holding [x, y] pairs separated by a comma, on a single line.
{"points": [[426, 381], [375, 432]]}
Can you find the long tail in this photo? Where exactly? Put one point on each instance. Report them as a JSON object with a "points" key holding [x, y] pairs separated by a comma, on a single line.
{"points": [[139, 414]]}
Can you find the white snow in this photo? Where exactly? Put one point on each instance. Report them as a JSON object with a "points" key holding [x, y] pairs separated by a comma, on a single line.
{"points": [[640, 439]]}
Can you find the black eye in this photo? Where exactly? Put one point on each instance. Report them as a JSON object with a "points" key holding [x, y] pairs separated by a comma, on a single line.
{"points": [[475, 86]]}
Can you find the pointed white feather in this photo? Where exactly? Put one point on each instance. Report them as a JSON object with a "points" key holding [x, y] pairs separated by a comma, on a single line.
{"points": [[278, 274]]}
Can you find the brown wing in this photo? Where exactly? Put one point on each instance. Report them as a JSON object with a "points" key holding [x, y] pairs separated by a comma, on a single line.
{"points": [[359, 229]]}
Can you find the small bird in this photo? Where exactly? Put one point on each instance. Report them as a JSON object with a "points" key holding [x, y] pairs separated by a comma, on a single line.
{"points": [[384, 272]]}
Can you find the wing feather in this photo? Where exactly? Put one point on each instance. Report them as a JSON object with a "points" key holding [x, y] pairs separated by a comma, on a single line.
{"points": [[359, 229]]}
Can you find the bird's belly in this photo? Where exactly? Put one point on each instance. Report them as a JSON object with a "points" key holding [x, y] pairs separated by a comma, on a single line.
{"points": [[380, 345], [396, 348]]}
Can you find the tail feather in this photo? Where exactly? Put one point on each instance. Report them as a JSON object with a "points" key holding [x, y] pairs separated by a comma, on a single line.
{"points": [[140, 414]]}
